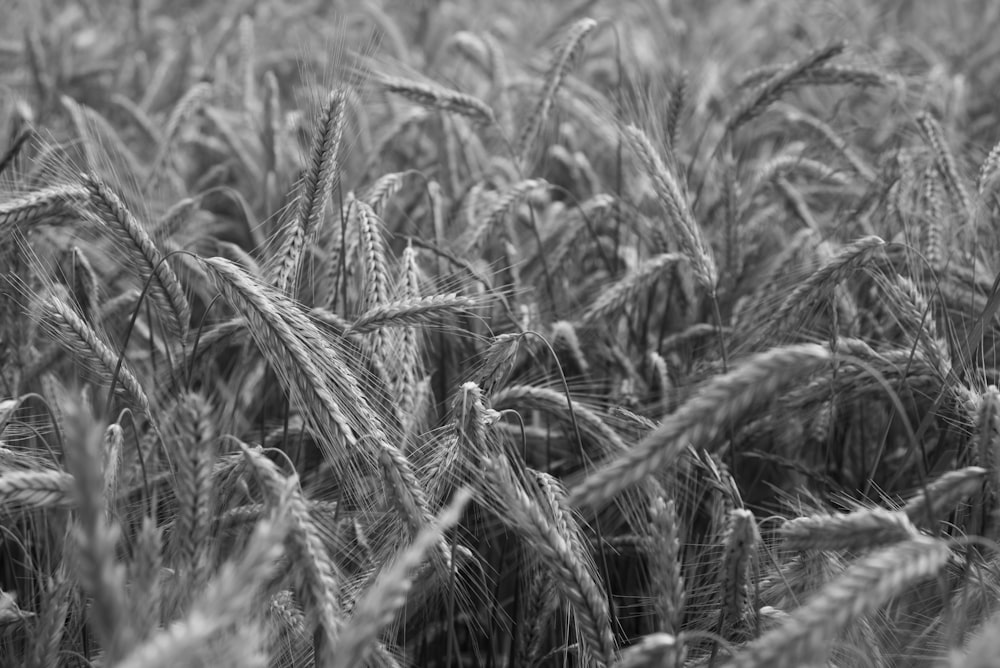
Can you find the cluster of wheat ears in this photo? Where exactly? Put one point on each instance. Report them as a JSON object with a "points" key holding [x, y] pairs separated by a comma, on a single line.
{"points": [[459, 356]]}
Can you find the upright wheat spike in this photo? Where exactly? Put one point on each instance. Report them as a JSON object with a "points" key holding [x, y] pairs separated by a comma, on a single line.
{"points": [[722, 402], [680, 220], [665, 567], [317, 186], [945, 162], [100, 572], [739, 549], [564, 61]]}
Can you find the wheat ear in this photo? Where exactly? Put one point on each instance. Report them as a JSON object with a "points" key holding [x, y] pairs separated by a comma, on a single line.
{"points": [[681, 220], [563, 556], [20, 213], [318, 570], [866, 586], [434, 96], [623, 293], [564, 61], [858, 530], [774, 87], [167, 293], [721, 403], [89, 347], [317, 186], [226, 600], [378, 606], [36, 489]]}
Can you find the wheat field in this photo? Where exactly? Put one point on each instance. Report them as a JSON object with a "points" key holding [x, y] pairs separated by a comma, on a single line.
{"points": [[379, 333]]}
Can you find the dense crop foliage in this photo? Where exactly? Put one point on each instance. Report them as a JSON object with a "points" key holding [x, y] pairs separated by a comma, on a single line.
{"points": [[458, 334]]}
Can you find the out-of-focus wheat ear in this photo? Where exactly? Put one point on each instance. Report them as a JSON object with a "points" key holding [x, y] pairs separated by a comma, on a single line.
{"points": [[385, 187], [320, 591], [563, 62], [987, 179], [739, 549], [858, 530], [722, 402], [622, 293], [434, 96], [675, 108], [563, 556], [145, 573], [166, 290], [191, 435], [656, 650], [759, 99], [823, 129], [944, 494], [851, 258], [565, 341], [498, 81], [988, 455], [99, 572], [248, 60], [227, 600], [982, 648], [480, 230], [91, 349], [53, 201], [666, 578], [83, 285], [27, 490], [50, 628], [186, 107], [867, 585], [681, 223], [378, 605], [272, 122], [125, 105], [945, 161], [111, 461], [320, 176]]}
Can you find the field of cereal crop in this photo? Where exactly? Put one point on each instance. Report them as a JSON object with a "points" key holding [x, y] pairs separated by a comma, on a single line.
{"points": [[460, 333]]}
